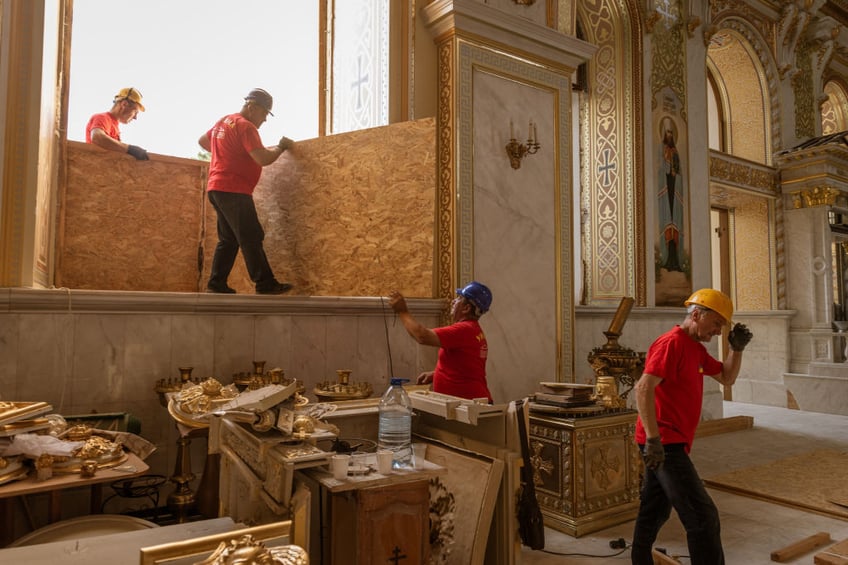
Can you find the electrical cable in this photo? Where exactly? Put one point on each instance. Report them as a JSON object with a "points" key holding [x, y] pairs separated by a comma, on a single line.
{"points": [[583, 554], [388, 343]]}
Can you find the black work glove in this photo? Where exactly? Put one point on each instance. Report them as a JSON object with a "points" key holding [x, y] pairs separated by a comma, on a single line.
{"points": [[654, 453], [285, 143], [739, 337], [137, 152]]}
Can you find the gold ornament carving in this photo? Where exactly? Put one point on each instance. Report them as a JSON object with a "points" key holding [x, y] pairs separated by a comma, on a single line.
{"points": [[818, 196], [248, 550], [603, 465]]}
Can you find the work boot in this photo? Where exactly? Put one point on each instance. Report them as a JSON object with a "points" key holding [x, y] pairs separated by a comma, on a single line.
{"points": [[220, 289], [276, 288]]}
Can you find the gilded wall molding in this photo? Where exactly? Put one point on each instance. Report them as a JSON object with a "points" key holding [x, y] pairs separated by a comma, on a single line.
{"points": [[612, 162], [722, 10], [779, 243], [668, 55], [816, 196], [802, 87], [445, 241], [748, 175]]}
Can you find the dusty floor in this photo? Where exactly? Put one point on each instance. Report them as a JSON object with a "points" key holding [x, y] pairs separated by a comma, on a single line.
{"points": [[751, 529]]}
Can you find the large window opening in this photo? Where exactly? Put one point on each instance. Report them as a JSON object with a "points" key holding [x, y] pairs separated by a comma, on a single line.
{"points": [[194, 61]]}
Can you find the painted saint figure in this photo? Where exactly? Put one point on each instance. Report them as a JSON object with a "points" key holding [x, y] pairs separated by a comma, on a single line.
{"points": [[670, 202]]}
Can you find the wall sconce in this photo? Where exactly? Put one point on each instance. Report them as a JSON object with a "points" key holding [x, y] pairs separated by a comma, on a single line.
{"points": [[516, 151]]}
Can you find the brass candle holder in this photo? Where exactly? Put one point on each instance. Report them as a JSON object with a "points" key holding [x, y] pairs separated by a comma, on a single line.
{"points": [[343, 388], [614, 365]]}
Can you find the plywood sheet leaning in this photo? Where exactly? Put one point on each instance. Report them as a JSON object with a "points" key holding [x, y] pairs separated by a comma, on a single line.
{"points": [[351, 214], [127, 224]]}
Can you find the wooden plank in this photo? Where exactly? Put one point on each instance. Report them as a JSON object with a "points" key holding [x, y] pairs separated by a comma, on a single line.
{"points": [[800, 547], [834, 555], [724, 425], [663, 559]]}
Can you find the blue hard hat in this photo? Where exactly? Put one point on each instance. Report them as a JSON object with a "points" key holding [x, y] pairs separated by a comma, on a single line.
{"points": [[478, 294]]}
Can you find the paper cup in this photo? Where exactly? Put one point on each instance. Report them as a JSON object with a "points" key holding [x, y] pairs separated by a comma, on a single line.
{"points": [[419, 453], [338, 466], [384, 461]]}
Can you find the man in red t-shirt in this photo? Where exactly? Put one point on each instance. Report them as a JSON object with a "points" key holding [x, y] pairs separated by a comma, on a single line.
{"points": [[237, 160], [463, 349], [668, 398], [104, 130]]}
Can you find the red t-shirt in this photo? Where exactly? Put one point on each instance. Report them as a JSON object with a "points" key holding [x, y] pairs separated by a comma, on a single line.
{"points": [[681, 363], [461, 368], [106, 122], [232, 169]]}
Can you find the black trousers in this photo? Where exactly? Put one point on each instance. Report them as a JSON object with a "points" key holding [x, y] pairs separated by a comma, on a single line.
{"points": [[238, 228], [676, 484]]}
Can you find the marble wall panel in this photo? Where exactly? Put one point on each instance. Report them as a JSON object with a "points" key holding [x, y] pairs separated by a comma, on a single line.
{"points": [[9, 357], [516, 232], [273, 341], [341, 352], [234, 350], [192, 345], [146, 352], [348, 215], [45, 357], [378, 339], [127, 224], [98, 361], [309, 342]]}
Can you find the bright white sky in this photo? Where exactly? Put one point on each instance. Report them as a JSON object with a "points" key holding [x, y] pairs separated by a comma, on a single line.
{"points": [[194, 61]]}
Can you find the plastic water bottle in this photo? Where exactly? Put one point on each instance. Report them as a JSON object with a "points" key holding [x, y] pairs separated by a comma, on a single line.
{"points": [[395, 430]]}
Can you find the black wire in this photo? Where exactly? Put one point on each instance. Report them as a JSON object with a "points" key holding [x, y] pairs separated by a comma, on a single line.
{"points": [[388, 344], [583, 554]]}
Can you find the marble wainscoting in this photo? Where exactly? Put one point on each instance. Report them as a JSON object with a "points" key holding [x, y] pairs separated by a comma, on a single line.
{"points": [[818, 393], [85, 351]]}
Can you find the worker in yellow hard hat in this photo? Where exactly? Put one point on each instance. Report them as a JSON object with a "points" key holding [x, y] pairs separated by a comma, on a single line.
{"points": [[668, 397], [104, 129]]}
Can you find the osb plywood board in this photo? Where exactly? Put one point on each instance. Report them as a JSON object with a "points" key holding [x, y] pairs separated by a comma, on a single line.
{"points": [[348, 215], [811, 481], [127, 224]]}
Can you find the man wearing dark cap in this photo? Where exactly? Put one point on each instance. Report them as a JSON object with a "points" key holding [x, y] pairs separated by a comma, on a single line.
{"points": [[237, 160], [104, 130]]}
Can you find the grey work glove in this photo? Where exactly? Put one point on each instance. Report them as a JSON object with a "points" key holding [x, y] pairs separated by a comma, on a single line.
{"points": [[137, 152], [285, 143], [654, 454], [739, 337]]}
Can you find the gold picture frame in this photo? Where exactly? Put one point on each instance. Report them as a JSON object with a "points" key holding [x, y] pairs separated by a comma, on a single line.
{"points": [[190, 551]]}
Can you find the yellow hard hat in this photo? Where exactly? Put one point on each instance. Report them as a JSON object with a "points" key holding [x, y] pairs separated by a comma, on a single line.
{"points": [[715, 300], [131, 94]]}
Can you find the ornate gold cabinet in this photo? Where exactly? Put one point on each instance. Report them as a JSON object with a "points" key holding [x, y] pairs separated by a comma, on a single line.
{"points": [[586, 470]]}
